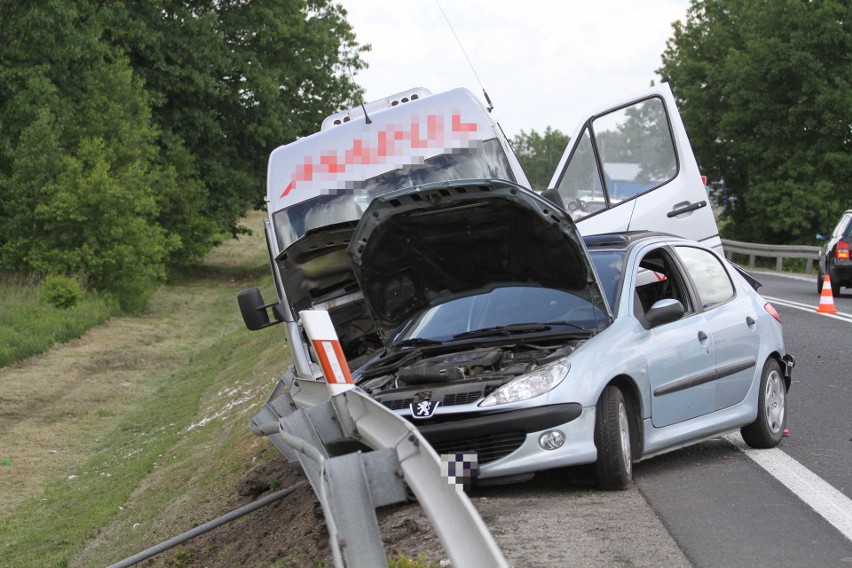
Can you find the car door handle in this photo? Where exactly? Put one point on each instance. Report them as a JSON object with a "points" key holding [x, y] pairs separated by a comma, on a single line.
{"points": [[702, 337], [749, 321], [686, 209]]}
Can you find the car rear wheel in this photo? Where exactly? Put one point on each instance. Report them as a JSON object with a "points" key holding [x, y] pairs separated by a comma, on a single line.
{"points": [[768, 429], [614, 468]]}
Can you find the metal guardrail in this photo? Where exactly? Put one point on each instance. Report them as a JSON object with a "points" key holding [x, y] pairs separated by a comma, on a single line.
{"points": [[304, 421], [778, 252], [323, 421]]}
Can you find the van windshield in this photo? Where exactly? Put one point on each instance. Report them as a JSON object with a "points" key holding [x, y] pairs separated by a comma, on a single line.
{"points": [[484, 160]]}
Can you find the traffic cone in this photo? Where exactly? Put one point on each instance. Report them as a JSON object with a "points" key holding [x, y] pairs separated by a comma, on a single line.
{"points": [[826, 298]]}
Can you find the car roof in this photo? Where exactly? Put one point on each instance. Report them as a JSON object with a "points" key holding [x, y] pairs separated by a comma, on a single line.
{"points": [[621, 240]]}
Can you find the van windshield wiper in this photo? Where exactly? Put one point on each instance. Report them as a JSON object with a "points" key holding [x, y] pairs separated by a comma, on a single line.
{"points": [[504, 330]]}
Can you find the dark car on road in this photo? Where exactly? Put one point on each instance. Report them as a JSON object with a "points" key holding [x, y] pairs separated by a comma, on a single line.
{"points": [[834, 257]]}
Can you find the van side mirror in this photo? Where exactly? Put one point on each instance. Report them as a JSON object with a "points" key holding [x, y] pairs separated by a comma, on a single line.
{"points": [[664, 311], [821, 237], [254, 309]]}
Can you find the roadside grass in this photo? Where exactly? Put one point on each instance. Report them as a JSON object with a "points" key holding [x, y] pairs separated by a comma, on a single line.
{"points": [[138, 432], [29, 325]]}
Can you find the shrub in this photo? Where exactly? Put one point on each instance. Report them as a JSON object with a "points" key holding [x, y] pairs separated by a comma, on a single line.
{"points": [[62, 291]]}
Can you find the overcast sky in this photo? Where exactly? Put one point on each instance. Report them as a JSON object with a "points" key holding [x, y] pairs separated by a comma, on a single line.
{"points": [[542, 62]]}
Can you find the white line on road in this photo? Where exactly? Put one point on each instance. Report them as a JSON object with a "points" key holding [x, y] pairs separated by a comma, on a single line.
{"points": [[842, 316], [831, 504]]}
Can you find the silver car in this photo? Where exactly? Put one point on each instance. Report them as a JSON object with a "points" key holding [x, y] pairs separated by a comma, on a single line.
{"points": [[505, 334]]}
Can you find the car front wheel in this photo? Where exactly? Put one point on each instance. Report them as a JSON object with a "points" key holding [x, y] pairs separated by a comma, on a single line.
{"points": [[768, 429], [614, 467]]}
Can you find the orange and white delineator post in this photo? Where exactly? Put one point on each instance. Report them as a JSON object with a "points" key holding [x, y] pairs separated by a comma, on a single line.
{"points": [[320, 330], [826, 298]]}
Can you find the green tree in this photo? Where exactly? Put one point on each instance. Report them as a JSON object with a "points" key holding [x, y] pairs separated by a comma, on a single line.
{"points": [[91, 210], [134, 134], [539, 154], [231, 80], [764, 90]]}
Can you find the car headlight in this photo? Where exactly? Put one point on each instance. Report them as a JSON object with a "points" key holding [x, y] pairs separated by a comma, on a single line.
{"points": [[528, 386]]}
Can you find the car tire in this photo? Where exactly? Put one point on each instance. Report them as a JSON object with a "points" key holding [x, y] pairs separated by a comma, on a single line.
{"points": [[614, 466], [820, 279], [768, 429]]}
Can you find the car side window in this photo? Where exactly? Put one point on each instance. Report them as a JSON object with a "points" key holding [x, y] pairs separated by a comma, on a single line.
{"points": [[658, 279], [711, 280]]}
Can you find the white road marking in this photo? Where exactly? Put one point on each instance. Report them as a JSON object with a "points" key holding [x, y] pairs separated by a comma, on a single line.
{"points": [[822, 497], [842, 316]]}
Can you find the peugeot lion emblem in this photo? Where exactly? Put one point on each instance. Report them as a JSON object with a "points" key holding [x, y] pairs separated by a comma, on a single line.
{"points": [[423, 408]]}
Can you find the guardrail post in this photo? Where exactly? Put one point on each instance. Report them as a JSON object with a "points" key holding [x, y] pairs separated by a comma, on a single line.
{"points": [[351, 488]]}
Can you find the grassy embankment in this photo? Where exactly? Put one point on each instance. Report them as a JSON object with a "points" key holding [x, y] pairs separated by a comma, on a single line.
{"points": [[138, 430], [29, 326]]}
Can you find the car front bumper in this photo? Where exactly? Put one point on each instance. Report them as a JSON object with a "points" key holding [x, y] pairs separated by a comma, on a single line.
{"points": [[507, 443]]}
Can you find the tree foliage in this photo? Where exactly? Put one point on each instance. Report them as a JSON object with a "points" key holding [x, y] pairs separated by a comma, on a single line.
{"points": [[231, 80], [135, 134], [539, 154], [764, 90]]}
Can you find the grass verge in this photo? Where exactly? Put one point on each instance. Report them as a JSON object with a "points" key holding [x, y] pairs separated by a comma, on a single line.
{"points": [[29, 326], [131, 434]]}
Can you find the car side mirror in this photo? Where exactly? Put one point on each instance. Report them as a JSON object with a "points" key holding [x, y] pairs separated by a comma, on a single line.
{"points": [[254, 309], [664, 311], [821, 237]]}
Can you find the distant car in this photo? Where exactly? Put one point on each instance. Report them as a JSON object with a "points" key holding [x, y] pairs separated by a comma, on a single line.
{"points": [[834, 256], [509, 336]]}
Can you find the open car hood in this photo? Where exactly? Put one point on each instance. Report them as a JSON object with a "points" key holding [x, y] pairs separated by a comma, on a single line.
{"points": [[425, 245]]}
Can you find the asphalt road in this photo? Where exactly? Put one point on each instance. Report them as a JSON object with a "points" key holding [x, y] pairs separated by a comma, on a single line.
{"points": [[725, 510]]}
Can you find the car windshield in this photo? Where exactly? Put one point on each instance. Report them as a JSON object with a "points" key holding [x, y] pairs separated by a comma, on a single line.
{"points": [[485, 160], [507, 310]]}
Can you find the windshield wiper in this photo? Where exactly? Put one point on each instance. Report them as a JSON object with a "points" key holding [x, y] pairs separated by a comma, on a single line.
{"points": [[504, 330], [569, 324], [416, 342]]}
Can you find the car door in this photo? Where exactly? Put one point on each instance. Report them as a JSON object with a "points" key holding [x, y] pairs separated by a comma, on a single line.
{"points": [[679, 354], [731, 321], [630, 166]]}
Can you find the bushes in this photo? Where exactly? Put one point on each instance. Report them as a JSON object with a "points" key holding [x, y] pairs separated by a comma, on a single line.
{"points": [[62, 291]]}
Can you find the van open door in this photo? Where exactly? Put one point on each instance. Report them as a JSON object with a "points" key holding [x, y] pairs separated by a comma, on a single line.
{"points": [[630, 166]]}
